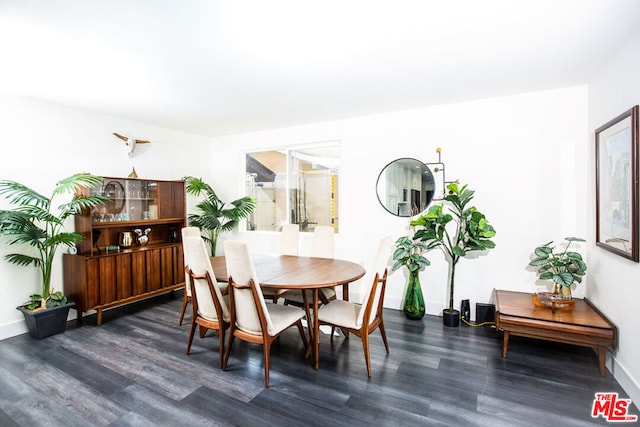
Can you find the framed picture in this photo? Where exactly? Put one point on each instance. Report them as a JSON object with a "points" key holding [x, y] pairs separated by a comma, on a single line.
{"points": [[617, 185]]}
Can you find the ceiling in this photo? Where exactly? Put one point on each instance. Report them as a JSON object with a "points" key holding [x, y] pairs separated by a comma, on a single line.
{"points": [[220, 67]]}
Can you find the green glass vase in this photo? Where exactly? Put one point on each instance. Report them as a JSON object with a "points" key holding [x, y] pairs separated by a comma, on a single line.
{"points": [[413, 300]]}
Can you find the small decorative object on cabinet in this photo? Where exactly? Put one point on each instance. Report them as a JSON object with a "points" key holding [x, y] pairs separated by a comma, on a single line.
{"points": [[143, 236], [108, 271], [563, 268]]}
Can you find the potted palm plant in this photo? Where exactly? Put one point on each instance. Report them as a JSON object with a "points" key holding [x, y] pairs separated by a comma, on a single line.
{"points": [[37, 225], [456, 230], [563, 267], [215, 216]]}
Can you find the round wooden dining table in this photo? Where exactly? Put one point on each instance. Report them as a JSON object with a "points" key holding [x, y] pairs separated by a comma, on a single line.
{"points": [[302, 273]]}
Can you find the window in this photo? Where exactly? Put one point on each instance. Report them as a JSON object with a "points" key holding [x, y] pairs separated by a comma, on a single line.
{"points": [[297, 186]]}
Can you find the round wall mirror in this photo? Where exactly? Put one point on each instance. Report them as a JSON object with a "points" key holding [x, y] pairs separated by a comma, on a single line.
{"points": [[405, 187]]}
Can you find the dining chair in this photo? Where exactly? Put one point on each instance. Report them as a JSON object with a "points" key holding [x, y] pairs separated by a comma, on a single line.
{"points": [[252, 320], [186, 232], [209, 307], [191, 232], [289, 245], [363, 319], [322, 242], [322, 246], [289, 239]]}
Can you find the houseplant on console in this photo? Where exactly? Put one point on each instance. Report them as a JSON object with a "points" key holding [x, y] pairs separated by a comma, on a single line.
{"points": [[37, 225], [563, 267], [457, 229], [409, 254], [215, 216]]}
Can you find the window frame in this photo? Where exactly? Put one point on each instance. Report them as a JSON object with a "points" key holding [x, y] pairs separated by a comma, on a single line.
{"points": [[291, 179]]}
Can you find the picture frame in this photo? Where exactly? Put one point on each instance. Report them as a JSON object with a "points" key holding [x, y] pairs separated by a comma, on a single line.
{"points": [[617, 185]]}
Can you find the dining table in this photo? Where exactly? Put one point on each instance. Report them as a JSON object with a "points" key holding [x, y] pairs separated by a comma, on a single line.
{"points": [[288, 272]]}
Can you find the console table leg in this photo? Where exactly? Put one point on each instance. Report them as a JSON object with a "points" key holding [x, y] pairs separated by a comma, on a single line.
{"points": [[505, 343], [602, 354], [99, 316]]}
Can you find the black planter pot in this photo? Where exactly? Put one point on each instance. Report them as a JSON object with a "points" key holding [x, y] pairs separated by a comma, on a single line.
{"points": [[44, 323], [451, 317]]}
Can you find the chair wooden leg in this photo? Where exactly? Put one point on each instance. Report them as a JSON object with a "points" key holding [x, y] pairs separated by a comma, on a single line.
{"points": [[191, 333], [227, 350], [266, 348], [384, 335], [221, 334], [365, 348], [307, 353], [304, 337], [203, 331], [323, 298], [185, 300]]}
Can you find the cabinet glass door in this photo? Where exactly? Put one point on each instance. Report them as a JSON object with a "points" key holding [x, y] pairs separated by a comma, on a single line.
{"points": [[129, 200]]}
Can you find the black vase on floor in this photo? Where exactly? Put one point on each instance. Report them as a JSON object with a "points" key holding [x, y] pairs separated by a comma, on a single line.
{"points": [[451, 317], [47, 322]]}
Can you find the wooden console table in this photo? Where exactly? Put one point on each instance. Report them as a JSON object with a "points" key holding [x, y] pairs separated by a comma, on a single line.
{"points": [[585, 325]]}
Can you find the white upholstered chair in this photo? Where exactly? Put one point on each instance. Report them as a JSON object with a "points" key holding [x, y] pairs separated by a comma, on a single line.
{"points": [[253, 320], [322, 242], [322, 246], [209, 307], [186, 232], [289, 239], [288, 245], [363, 319], [193, 232]]}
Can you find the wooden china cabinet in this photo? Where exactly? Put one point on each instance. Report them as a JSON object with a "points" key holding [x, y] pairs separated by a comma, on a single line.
{"points": [[113, 264]]}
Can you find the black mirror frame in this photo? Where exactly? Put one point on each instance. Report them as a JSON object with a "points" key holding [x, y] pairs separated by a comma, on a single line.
{"points": [[409, 195]]}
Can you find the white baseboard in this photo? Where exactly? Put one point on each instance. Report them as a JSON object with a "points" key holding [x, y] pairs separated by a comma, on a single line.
{"points": [[628, 384], [397, 304], [12, 329]]}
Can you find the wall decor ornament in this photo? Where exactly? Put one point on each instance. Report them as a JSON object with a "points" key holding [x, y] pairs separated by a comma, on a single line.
{"points": [[617, 185]]}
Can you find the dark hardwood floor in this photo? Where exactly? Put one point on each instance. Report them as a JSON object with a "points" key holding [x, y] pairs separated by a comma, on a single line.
{"points": [[132, 371]]}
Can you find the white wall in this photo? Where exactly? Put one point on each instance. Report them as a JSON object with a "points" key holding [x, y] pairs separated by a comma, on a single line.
{"points": [[42, 143], [526, 157], [615, 281]]}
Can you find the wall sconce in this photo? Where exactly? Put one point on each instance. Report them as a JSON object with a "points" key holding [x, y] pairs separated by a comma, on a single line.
{"points": [[438, 167]]}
